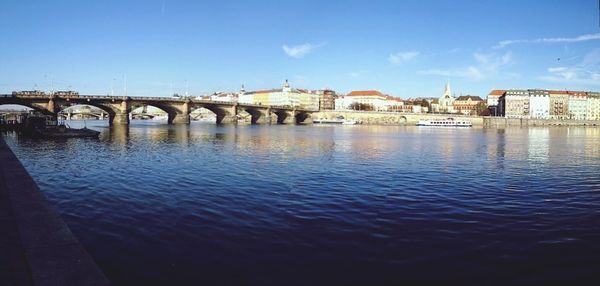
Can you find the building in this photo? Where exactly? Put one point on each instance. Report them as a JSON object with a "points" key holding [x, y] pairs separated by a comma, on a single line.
{"points": [[446, 101], [577, 105], [514, 103], [493, 96], [373, 98], [326, 99], [559, 104], [285, 96], [539, 104], [467, 104], [593, 106]]}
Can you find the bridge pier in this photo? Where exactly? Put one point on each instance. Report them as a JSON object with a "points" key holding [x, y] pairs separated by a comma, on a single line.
{"points": [[179, 118], [303, 118], [118, 119], [226, 119]]}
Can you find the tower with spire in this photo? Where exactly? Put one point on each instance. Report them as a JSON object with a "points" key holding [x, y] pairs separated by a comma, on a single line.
{"points": [[446, 102]]}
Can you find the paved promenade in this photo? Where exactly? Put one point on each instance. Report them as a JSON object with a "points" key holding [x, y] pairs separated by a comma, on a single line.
{"points": [[36, 246]]}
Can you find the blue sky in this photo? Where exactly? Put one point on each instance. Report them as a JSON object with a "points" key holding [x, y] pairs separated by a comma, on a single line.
{"points": [[403, 48]]}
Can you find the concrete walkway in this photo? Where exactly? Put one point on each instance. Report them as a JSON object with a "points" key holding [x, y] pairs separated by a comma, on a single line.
{"points": [[36, 246]]}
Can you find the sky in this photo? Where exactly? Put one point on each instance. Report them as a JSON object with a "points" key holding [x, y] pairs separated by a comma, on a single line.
{"points": [[402, 48]]}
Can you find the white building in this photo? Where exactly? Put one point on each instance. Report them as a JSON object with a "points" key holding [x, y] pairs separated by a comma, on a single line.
{"points": [[593, 106], [373, 98], [446, 102], [493, 96], [577, 105], [539, 104], [285, 96]]}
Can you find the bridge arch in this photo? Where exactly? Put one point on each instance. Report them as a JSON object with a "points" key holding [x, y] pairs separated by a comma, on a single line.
{"points": [[224, 114], [402, 119], [25, 104], [110, 110], [303, 118], [67, 113], [257, 115], [171, 111]]}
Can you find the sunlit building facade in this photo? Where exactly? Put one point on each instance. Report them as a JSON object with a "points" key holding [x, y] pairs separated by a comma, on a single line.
{"points": [[539, 104], [593, 106], [467, 104], [577, 105], [514, 103], [285, 96]]}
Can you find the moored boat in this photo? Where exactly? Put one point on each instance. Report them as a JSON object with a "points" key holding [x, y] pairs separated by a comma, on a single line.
{"points": [[337, 120], [449, 122]]}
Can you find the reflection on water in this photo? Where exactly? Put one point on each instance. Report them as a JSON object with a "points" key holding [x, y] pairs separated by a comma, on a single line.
{"points": [[303, 205]]}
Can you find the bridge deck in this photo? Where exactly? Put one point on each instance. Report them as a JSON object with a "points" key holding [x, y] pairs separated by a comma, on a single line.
{"points": [[36, 246]]}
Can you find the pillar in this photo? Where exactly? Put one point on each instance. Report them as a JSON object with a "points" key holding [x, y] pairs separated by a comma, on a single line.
{"points": [[183, 116], [119, 119]]}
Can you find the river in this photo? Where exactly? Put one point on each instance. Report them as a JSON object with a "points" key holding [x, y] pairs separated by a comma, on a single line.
{"points": [[327, 205]]}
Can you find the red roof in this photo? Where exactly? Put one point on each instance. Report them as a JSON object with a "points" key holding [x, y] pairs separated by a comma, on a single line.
{"points": [[581, 93], [558, 92], [365, 93], [497, 92]]}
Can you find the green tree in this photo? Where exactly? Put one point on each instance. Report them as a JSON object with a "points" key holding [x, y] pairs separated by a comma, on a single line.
{"points": [[361, 106], [481, 109]]}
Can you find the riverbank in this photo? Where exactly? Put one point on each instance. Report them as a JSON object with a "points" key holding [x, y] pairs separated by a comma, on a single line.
{"points": [[36, 246], [525, 122], [397, 118], [391, 118]]}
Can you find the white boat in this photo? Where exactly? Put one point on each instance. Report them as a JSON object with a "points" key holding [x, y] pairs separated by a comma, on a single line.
{"points": [[338, 120], [449, 122], [161, 117]]}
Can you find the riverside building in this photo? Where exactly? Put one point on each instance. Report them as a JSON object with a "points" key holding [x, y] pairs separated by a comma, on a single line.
{"points": [[559, 104], [539, 104], [577, 105], [285, 96], [467, 104], [372, 98], [593, 106], [446, 101], [514, 104]]}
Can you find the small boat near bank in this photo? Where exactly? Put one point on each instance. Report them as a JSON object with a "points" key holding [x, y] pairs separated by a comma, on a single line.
{"points": [[339, 120], [64, 131], [449, 122], [46, 127]]}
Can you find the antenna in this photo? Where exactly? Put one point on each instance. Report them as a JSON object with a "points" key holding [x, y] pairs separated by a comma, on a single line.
{"points": [[125, 80]]}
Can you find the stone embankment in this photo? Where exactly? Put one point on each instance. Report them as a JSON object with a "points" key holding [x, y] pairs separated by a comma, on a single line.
{"points": [[36, 246], [524, 122], [391, 118], [399, 118]]}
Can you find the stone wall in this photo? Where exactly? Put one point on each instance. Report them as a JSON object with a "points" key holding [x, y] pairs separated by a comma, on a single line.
{"points": [[524, 122], [391, 118]]}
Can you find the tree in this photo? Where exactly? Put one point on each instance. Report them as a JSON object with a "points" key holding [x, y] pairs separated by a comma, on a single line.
{"points": [[361, 106], [481, 108]]}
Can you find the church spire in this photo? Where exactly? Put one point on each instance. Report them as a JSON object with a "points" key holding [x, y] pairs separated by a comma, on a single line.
{"points": [[447, 91]]}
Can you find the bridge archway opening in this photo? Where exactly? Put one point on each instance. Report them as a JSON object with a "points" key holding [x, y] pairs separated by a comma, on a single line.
{"points": [[107, 111], [303, 118], [82, 111], [203, 115], [22, 107], [223, 114], [282, 115], [153, 112], [254, 115], [402, 120]]}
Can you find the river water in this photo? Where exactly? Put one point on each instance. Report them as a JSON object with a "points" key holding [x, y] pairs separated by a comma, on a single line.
{"points": [[327, 205]]}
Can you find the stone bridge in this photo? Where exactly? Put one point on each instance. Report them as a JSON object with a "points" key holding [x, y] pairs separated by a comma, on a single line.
{"points": [[118, 108]]}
